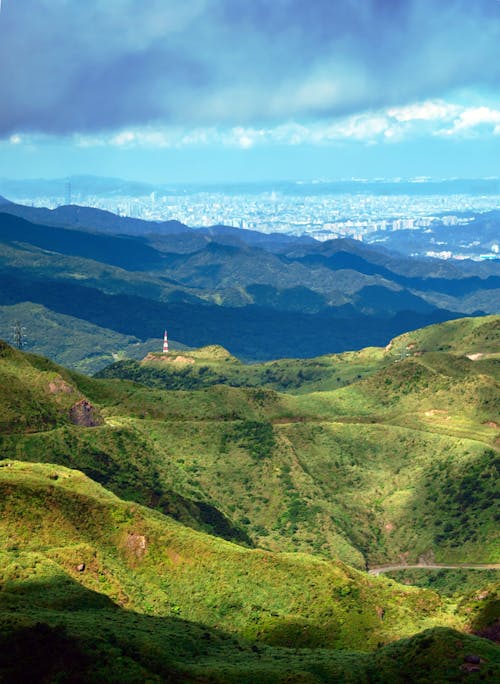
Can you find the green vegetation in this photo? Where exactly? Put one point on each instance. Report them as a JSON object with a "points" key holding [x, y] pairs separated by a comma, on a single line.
{"points": [[201, 369], [106, 549], [66, 518], [74, 342], [127, 592], [446, 582], [212, 365], [87, 299], [400, 463], [462, 336]]}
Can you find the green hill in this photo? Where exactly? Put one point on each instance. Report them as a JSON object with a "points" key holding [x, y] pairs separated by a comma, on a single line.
{"points": [[112, 590], [399, 464], [116, 567], [42, 413], [476, 337], [69, 520], [465, 336], [74, 342], [214, 365]]}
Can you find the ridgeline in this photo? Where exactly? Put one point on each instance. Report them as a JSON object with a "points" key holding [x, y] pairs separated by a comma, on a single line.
{"points": [[193, 518]]}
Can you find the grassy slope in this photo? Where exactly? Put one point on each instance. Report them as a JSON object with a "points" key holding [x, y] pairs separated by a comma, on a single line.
{"points": [[36, 396], [149, 563], [446, 582], [74, 342], [399, 465], [419, 440], [461, 336], [32, 401], [374, 466], [212, 365], [402, 462], [162, 602]]}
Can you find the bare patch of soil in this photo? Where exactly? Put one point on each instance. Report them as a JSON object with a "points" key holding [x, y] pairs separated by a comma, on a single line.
{"points": [[136, 544], [60, 386], [167, 358]]}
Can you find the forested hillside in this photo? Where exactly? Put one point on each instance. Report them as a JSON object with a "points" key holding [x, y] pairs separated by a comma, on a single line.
{"points": [[111, 295]]}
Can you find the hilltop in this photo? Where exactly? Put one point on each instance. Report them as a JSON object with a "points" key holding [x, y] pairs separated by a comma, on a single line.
{"points": [[474, 338], [397, 460], [238, 590], [222, 532], [211, 355]]}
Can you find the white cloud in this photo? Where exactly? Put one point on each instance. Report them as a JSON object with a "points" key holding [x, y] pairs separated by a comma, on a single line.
{"points": [[473, 118], [243, 137], [362, 127], [392, 125], [123, 138], [424, 111]]}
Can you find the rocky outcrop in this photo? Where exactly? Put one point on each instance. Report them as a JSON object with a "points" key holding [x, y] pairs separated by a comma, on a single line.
{"points": [[84, 414]]}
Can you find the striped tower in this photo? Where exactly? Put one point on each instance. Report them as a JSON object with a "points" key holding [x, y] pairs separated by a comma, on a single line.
{"points": [[165, 343]]}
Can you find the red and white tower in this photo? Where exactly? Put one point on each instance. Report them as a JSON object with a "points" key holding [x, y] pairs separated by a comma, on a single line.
{"points": [[165, 343]]}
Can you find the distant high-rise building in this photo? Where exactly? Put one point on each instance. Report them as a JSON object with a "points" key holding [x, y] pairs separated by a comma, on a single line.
{"points": [[68, 191]]}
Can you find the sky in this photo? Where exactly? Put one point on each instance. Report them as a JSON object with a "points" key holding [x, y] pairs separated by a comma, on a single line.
{"points": [[241, 90]]}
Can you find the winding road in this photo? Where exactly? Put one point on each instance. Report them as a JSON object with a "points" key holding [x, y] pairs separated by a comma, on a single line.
{"points": [[377, 570]]}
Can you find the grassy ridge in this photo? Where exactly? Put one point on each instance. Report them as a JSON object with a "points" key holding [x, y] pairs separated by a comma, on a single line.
{"points": [[160, 602], [36, 399], [150, 564], [214, 365], [397, 465], [74, 342], [461, 336], [402, 462], [32, 401]]}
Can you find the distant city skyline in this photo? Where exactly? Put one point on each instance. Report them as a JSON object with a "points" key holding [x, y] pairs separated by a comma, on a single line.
{"points": [[229, 90], [359, 209]]}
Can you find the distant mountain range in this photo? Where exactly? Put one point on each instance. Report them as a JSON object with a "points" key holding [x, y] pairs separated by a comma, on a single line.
{"points": [[98, 220], [99, 185], [261, 296]]}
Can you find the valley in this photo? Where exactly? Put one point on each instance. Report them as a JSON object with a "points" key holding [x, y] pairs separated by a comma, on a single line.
{"points": [[68, 275], [249, 342], [231, 511]]}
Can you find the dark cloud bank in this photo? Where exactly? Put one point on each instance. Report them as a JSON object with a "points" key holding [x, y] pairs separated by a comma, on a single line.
{"points": [[69, 65]]}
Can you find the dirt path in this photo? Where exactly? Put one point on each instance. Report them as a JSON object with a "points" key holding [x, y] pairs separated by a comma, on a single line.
{"points": [[377, 570]]}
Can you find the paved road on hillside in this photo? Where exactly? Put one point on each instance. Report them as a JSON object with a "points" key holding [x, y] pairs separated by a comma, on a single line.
{"points": [[377, 570]]}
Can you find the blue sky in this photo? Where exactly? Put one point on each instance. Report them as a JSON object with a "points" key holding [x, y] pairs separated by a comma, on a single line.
{"points": [[201, 90]]}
